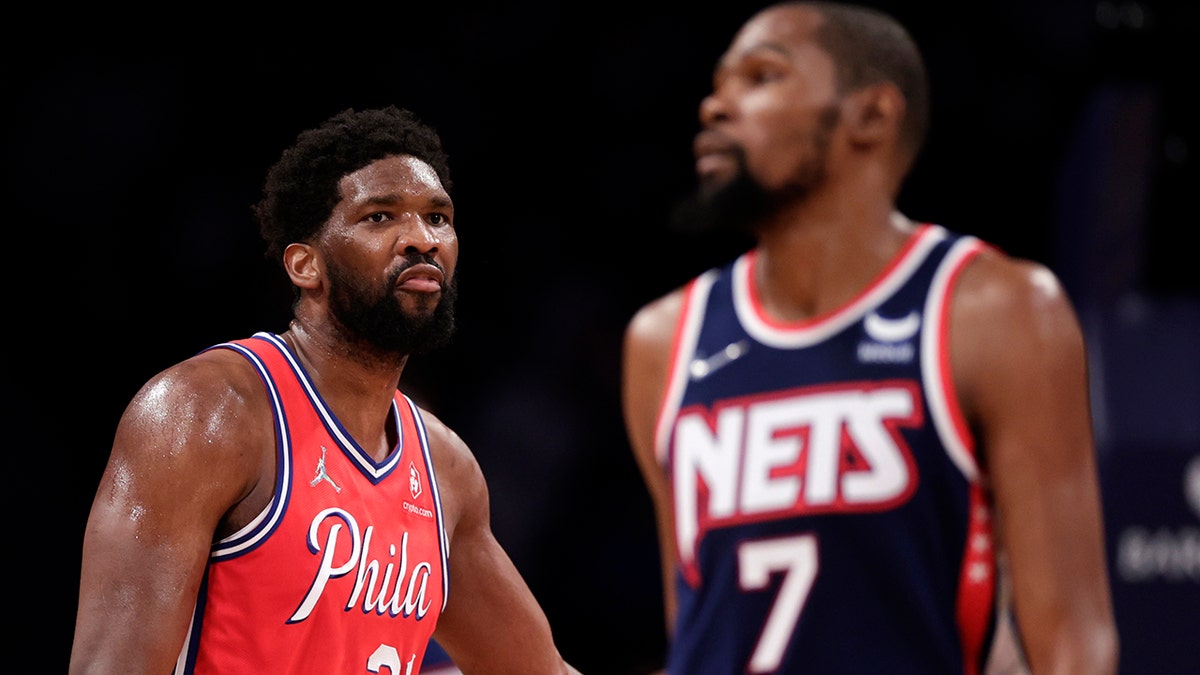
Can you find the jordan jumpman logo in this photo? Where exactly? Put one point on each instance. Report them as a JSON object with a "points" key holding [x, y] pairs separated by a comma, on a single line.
{"points": [[322, 475]]}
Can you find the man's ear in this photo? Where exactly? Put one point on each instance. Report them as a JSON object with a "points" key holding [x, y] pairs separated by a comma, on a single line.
{"points": [[303, 264], [874, 114]]}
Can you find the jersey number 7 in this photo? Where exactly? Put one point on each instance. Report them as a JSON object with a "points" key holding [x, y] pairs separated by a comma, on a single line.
{"points": [[796, 558]]}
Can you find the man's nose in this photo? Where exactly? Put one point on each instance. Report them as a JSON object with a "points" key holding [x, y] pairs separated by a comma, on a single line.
{"points": [[419, 236], [713, 108]]}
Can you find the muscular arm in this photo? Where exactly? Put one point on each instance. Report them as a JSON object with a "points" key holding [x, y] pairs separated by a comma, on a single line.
{"points": [[174, 471], [492, 622], [1020, 366], [645, 366]]}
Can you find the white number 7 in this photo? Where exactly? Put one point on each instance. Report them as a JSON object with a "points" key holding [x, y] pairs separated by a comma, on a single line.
{"points": [[796, 557]]}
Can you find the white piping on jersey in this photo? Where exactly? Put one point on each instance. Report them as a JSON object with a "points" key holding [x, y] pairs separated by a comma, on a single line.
{"points": [[356, 453], [748, 313], [226, 546], [254, 531], [754, 320], [692, 317], [181, 662], [939, 384], [443, 540]]}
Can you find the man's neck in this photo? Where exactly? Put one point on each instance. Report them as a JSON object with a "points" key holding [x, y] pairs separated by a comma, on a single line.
{"points": [[814, 260], [356, 382]]}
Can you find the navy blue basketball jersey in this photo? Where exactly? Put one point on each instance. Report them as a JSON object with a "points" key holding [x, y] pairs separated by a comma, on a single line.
{"points": [[829, 511]]}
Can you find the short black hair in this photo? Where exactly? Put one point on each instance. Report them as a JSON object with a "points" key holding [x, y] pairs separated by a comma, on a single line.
{"points": [[870, 46], [301, 188]]}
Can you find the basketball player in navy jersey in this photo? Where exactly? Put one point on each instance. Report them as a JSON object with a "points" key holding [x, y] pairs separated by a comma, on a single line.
{"points": [[276, 504], [867, 438]]}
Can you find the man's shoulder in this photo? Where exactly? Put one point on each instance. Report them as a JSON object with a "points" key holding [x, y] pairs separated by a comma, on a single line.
{"points": [[658, 314], [207, 381]]}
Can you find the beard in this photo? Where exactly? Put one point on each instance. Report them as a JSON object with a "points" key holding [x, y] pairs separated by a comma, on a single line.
{"points": [[375, 316], [742, 204], [725, 209]]}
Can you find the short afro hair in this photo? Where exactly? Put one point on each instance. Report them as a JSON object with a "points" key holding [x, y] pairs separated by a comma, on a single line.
{"points": [[301, 188], [870, 46]]}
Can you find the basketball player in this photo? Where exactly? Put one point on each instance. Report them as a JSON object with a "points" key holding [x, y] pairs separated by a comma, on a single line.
{"points": [[275, 504], [858, 433]]}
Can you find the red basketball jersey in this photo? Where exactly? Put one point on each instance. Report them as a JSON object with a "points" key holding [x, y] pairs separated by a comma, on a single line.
{"points": [[345, 570]]}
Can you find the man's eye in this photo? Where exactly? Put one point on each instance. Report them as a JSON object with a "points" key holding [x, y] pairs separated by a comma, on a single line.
{"points": [[761, 75], [438, 219], [378, 217]]}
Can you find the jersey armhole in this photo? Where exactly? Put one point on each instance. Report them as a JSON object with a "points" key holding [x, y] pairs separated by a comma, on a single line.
{"points": [[944, 408], [683, 345], [255, 531]]}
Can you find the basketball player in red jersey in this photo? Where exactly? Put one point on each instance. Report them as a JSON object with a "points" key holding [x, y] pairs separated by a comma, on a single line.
{"points": [[863, 434], [275, 504]]}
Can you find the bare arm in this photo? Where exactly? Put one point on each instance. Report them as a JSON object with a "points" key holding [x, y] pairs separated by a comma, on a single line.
{"points": [[492, 622], [1020, 366], [174, 471], [645, 368]]}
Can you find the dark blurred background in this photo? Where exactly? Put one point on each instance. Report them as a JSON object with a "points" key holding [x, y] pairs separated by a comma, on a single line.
{"points": [[134, 144]]}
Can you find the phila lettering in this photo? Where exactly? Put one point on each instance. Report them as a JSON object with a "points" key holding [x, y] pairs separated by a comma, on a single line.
{"points": [[390, 586]]}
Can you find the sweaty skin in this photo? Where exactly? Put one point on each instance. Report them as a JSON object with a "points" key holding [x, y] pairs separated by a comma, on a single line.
{"points": [[193, 458]]}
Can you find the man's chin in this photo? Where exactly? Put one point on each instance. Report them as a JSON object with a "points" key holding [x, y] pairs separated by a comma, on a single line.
{"points": [[419, 308], [720, 207], [711, 186]]}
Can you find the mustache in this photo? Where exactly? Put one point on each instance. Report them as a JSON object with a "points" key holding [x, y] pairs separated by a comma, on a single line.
{"points": [[412, 259]]}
